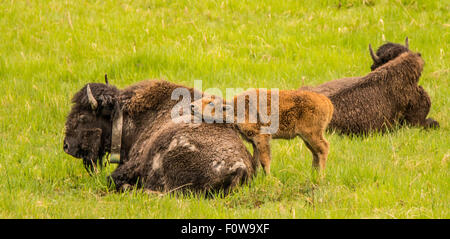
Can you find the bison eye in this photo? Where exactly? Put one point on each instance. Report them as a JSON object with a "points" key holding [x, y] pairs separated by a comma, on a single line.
{"points": [[211, 103]]}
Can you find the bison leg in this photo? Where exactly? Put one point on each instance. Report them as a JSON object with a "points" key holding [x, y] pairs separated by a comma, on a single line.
{"points": [[319, 147], [256, 154], [262, 150], [431, 123], [123, 175], [235, 177], [418, 110]]}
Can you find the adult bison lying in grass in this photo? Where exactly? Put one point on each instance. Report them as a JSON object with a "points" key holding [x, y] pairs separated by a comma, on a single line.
{"points": [[155, 152], [387, 96]]}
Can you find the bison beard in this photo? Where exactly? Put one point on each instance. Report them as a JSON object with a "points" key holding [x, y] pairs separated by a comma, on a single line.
{"points": [[91, 144]]}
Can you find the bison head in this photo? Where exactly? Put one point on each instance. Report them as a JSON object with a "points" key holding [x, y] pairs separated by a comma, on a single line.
{"points": [[89, 123], [387, 52]]}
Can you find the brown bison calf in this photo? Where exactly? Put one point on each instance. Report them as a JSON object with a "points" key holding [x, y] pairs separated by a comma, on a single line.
{"points": [[296, 113]]}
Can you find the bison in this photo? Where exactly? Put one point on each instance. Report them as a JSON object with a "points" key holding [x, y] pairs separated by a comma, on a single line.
{"points": [[155, 152], [386, 97], [300, 113]]}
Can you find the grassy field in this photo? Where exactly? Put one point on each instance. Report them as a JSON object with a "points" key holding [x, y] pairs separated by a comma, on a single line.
{"points": [[50, 49]]}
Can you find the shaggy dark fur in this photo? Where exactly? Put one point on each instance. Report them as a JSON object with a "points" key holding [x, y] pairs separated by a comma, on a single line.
{"points": [[388, 52], [156, 153], [389, 95]]}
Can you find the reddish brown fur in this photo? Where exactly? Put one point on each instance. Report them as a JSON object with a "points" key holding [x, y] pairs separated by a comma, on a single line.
{"points": [[301, 113]]}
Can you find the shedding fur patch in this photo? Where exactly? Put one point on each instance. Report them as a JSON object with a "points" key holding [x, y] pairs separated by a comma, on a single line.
{"points": [[157, 162], [173, 144], [237, 165], [182, 141], [218, 165]]}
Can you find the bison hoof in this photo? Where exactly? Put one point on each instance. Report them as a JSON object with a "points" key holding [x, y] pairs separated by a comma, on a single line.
{"points": [[125, 187], [431, 123]]}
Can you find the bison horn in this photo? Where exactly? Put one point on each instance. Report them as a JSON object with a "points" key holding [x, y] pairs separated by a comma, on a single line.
{"points": [[106, 79], [91, 98], [406, 43], [375, 58]]}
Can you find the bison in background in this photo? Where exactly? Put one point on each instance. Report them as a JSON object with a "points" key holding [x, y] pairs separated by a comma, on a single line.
{"points": [[155, 153], [387, 96]]}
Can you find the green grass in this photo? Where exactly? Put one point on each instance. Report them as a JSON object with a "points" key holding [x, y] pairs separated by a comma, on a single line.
{"points": [[50, 49]]}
